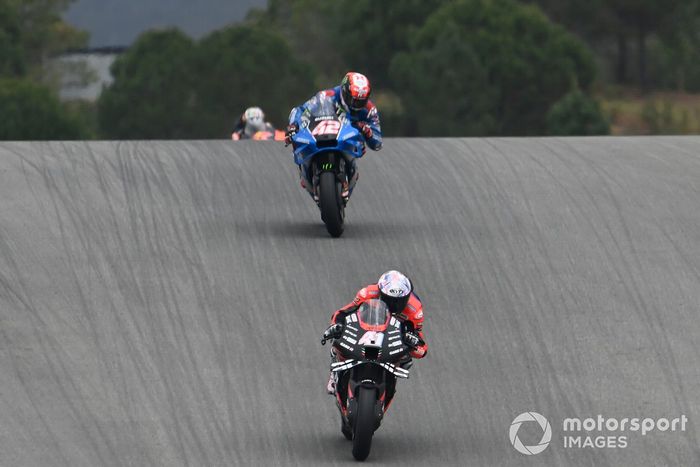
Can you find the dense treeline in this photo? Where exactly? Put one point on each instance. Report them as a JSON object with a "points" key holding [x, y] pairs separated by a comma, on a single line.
{"points": [[167, 86], [650, 43], [485, 67], [30, 32], [457, 67], [465, 67]]}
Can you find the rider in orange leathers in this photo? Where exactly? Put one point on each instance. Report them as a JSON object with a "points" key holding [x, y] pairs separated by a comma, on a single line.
{"points": [[252, 125], [396, 290]]}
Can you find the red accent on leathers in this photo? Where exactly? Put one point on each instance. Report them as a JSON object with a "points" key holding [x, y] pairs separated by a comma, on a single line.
{"points": [[412, 313]]}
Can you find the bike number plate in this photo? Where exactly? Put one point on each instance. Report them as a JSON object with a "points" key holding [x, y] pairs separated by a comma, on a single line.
{"points": [[326, 127], [372, 339]]}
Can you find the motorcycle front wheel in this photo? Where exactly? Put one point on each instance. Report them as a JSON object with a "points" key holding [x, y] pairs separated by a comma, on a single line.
{"points": [[363, 428]]}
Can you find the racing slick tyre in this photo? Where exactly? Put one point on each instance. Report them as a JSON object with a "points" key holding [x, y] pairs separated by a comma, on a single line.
{"points": [[364, 424], [331, 203]]}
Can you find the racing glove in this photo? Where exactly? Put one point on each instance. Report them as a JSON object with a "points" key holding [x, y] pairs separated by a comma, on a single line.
{"points": [[334, 331], [411, 340], [292, 129], [365, 129]]}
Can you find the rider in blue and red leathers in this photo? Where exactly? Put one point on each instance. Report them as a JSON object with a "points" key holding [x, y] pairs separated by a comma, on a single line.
{"points": [[352, 96]]}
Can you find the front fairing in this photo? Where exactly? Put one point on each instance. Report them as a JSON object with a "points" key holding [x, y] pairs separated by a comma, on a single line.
{"points": [[348, 140], [390, 367], [367, 339]]}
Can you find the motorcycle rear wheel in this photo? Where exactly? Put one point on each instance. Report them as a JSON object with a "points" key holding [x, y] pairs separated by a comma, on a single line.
{"points": [[332, 209]]}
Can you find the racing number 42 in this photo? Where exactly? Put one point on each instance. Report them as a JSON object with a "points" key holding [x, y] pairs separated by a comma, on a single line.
{"points": [[326, 127]]}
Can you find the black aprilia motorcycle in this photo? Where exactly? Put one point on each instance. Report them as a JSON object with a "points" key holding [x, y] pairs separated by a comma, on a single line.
{"points": [[370, 350]]}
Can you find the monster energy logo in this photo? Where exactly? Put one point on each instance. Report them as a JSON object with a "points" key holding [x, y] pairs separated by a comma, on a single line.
{"points": [[327, 166]]}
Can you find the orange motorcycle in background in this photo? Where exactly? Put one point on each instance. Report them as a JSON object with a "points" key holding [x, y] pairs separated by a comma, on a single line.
{"points": [[276, 135]]}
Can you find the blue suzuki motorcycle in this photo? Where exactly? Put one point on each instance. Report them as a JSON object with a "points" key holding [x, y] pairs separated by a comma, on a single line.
{"points": [[325, 143]]}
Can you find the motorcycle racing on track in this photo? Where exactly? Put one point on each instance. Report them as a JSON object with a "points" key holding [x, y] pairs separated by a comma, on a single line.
{"points": [[328, 133], [370, 348], [375, 338]]}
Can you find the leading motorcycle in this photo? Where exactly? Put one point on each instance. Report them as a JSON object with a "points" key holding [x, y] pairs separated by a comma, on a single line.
{"points": [[369, 352], [325, 143]]}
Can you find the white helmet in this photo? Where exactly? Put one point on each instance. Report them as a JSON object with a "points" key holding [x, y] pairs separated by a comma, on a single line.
{"points": [[394, 290], [254, 119]]}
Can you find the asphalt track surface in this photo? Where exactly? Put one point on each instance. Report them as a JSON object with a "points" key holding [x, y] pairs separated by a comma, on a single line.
{"points": [[161, 302]]}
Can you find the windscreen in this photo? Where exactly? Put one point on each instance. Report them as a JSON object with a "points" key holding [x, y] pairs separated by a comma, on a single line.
{"points": [[321, 118], [322, 106], [374, 312]]}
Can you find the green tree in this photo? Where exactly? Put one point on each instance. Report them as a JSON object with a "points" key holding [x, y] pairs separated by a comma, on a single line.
{"points": [[676, 56], [503, 59], [30, 32], [242, 66], [445, 88], [343, 35], [643, 18], [628, 22], [576, 114], [311, 28], [45, 33], [13, 62], [370, 32], [32, 112], [153, 91]]}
